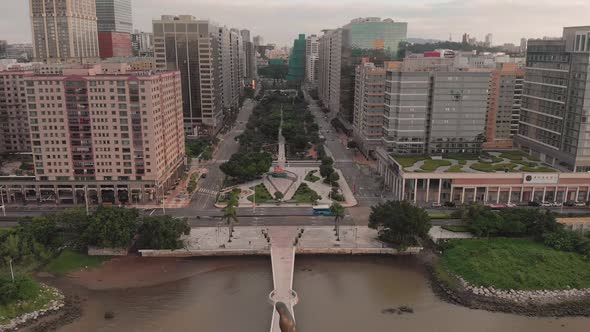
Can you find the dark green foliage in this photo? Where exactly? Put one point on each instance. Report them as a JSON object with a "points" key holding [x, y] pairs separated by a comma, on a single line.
{"points": [[275, 71], [162, 232], [326, 170], [566, 240], [399, 223], [195, 147], [247, 166], [327, 161], [22, 289], [112, 227]]}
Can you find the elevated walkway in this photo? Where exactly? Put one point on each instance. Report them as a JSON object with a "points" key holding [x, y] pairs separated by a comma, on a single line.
{"points": [[282, 253]]}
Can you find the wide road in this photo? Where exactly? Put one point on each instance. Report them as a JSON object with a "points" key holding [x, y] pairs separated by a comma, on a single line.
{"points": [[208, 187], [364, 182]]}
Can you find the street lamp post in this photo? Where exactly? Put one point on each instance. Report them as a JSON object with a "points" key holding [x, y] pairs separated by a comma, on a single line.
{"points": [[2, 201]]}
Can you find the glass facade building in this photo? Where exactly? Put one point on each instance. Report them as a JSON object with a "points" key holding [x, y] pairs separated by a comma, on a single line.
{"points": [[376, 34], [297, 61], [114, 16]]}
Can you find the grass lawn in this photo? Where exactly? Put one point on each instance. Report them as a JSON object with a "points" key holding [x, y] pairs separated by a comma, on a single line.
{"points": [[491, 168], [37, 298], [455, 169], [461, 156], [518, 264], [262, 194], [409, 161], [515, 155], [432, 165], [71, 261], [311, 177], [456, 229], [483, 167], [305, 194]]}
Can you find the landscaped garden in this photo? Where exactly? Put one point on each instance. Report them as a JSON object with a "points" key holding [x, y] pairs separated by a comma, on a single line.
{"points": [[489, 162], [304, 194], [261, 194]]}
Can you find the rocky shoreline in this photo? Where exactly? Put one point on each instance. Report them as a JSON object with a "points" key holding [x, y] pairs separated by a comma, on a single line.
{"points": [[30, 317], [543, 303]]}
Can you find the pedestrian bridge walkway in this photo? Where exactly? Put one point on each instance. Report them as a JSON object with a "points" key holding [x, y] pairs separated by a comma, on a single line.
{"points": [[282, 243], [282, 253]]}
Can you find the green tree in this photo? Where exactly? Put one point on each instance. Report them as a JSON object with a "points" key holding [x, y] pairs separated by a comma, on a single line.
{"points": [[338, 212], [247, 166], [326, 170], [112, 227], [279, 195], [487, 224], [162, 232], [333, 178], [399, 223], [469, 212]]}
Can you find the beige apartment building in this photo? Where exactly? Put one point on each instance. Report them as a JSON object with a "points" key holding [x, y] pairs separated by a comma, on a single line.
{"points": [[369, 99], [103, 132], [64, 31], [14, 125]]}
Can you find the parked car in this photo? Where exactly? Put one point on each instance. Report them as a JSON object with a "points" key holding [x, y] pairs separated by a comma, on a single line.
{"points": [[557, 204], [546, 204], [534, 204], [510, 205], [436, 205], [580, 204]]}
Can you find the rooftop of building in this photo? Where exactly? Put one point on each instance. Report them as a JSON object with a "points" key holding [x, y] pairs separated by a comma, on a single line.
{"points": [[487, 162]]}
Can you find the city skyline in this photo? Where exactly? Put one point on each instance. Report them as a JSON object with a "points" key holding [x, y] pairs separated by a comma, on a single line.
{"points": [[434, 19]]}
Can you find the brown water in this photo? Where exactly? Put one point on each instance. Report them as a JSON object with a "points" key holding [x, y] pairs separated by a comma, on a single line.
{"points": [[336, 294]]}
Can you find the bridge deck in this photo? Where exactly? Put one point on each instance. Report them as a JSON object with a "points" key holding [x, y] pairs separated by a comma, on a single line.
{"points": [[283, 262]]}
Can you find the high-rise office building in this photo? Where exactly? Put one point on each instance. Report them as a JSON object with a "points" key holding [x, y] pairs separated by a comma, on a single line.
{"points": [[193, 47], [258, 41], [64, 30], [115, 26], [142, 43], [14, 123], [523, 45], [297, 61], [489, 40], [504, 106], [555, 108], [312, 58], [3, 45], [245, 35], [108, 130], [209, 58], [341, 50]]}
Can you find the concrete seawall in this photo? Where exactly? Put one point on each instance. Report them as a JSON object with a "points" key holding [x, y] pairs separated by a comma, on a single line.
{"points": [[266, 252]]}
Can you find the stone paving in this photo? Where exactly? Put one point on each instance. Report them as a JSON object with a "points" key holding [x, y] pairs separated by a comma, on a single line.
{"points": [[437, 234]]}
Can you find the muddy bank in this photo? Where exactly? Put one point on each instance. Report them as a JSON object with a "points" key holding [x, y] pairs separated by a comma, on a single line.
{"points": [[138, 272]]}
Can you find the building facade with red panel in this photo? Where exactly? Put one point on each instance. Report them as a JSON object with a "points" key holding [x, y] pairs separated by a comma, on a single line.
{"points": [[114, 44]]}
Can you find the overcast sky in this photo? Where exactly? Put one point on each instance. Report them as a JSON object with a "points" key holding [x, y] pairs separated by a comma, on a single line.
{"points": [[279, 21]]}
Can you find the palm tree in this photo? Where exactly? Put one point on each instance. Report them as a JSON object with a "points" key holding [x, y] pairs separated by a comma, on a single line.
{"points": [[230, 213], [338, 212]]}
